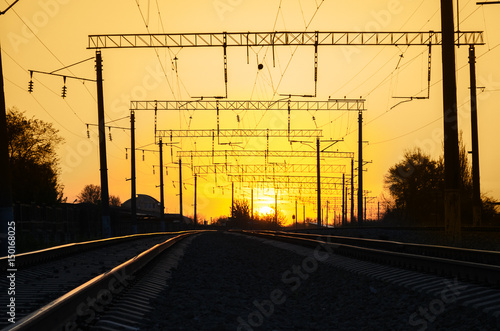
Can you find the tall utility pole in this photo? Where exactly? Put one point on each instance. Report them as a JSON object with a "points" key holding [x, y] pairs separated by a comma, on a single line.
{"points": [[352, 191], [365, 208], [327, 207], [476, 186], [232, 200], [251, 207], [296, 216], [304, 214], [378, 210], [133, 194], [276, 208], [318, 175], [451, 151], [360, 168], [343, 200], [106, 223], [195, 220], [162, 195], [180, 191], [6, 210]]}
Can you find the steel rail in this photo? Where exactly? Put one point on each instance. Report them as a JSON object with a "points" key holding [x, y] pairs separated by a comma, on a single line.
{"points": [[66, 311], [57, 252], [445, 260]]}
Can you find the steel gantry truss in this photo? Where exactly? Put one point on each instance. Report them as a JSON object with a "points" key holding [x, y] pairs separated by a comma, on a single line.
{"points": [[284, 179], [276, 168], [290, 105], [263, 153], [280, 38], [240, 133], [299, 186]]}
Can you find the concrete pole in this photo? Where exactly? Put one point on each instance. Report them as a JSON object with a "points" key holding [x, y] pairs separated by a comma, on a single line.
{"points": [[360, 168], [6, 209], [476, 185], [318, 187], [106, 222], [133, 193], [162, 185], [180, 191], [195, 221], [451, 151], [352, 191]]}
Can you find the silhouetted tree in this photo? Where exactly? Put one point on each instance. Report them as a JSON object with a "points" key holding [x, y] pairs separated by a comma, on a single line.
{"points": [[92, 194], [241, 213], [114, 201], [34, 164], [416, 186]]}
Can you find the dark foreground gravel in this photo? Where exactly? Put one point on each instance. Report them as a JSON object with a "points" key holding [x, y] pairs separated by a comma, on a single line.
{"points": [[230, 282]]}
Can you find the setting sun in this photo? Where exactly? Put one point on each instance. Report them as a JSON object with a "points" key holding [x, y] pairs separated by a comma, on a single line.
{"points": [[266, 210]]}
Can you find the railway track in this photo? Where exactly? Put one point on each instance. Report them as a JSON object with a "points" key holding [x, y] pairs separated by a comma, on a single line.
{"points": [[47, 279], [424, 268], [122, 297]]}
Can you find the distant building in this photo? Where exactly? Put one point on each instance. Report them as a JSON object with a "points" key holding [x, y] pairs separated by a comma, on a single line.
{"points": [[145, 204]]}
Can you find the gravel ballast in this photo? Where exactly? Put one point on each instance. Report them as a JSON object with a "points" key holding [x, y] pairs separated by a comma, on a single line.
{"points": [[230, 282]]}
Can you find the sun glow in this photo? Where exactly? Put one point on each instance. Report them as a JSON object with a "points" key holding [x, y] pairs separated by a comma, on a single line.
{"points": [[266, 210]]}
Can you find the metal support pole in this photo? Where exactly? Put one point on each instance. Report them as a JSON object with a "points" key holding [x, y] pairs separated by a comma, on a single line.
{"points": [[276, 208], [346, 194], [352, 191], [195, 220], [378, 210], [133, 194], [343, 200], [106, 223], [451, 151], [318, 175], [180, 191], [326, 218], [296, 216], [476, 184], [304, 214], [162, 185], [232, 200], [6, 210], [365, 209], [251, 207], [360, 168]]}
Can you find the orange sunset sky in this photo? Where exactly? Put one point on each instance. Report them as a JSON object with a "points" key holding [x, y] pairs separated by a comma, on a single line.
{"points": [[47, 35]]}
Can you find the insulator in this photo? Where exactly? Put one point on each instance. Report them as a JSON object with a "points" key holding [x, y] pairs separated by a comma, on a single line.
{"points": [[143, 155], [30, 87], [64, 88], [88, 132], [238, 118], [110, 138], [126, 156], [154, 170]]}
